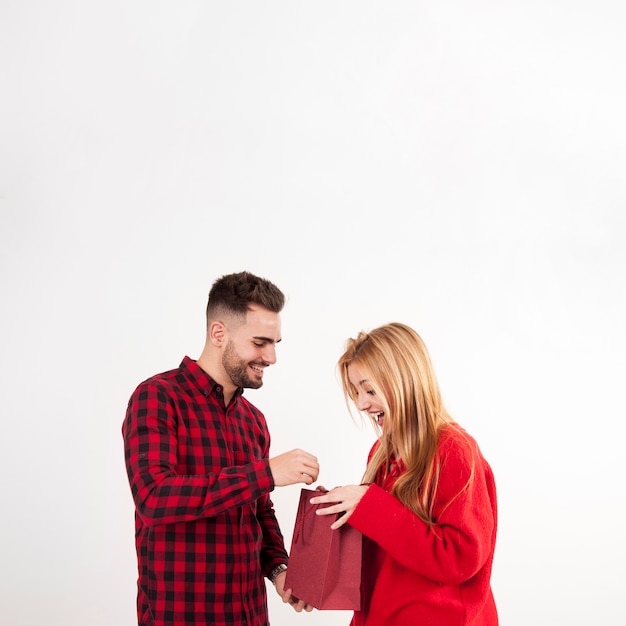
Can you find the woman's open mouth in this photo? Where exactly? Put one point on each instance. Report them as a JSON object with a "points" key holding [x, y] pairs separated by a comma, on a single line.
{"points": [[379, 417]]}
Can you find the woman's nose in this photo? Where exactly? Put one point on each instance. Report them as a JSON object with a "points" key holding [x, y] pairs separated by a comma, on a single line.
{"points": [[362, 402]]}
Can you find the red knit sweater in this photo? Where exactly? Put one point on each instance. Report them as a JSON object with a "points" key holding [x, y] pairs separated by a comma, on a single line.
{"points": [[418, 575]]}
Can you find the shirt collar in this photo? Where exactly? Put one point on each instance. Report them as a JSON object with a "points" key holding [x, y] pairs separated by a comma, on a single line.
{"points": [[201, 379]]}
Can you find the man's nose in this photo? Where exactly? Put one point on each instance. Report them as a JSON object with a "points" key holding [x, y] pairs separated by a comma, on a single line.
{"points": [[269, 354]]}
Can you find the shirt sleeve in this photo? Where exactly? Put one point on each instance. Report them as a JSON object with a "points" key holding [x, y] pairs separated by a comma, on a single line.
{"points": [[161, 495], [453, 549], [273, 551]]}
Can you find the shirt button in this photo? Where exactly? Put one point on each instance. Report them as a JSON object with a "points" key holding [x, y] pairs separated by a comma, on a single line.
{"points": [[218, 388]]}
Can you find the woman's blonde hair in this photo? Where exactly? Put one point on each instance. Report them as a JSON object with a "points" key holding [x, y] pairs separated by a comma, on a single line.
{"points": [[397, 366]]}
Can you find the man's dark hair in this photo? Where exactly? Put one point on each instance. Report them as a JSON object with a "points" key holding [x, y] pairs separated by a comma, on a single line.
{"points": [[234, 293]]}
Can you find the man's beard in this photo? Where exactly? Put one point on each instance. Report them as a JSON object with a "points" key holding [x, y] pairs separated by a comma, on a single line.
{"points": [[237, 369]]}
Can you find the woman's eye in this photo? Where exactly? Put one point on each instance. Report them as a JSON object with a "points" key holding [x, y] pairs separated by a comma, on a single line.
{"points": [[371, 392]]}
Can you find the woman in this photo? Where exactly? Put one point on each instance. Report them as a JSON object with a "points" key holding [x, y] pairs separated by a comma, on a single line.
{"points": [[427, 505]]}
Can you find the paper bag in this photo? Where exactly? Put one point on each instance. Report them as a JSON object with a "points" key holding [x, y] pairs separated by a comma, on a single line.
{"points": [[324, 564]]}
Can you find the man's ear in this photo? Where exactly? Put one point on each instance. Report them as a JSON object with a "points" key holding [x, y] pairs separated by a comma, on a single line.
{"points": [[217, 333]]}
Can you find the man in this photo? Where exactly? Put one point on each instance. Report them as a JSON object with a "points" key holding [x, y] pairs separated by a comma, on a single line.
{"points": [[197, 457]]}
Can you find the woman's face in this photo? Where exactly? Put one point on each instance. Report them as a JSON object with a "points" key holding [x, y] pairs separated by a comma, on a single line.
{"points": [[367, 399]]}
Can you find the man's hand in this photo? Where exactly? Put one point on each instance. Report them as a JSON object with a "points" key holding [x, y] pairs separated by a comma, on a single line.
{"points": [[294, 467], [285, 594]]}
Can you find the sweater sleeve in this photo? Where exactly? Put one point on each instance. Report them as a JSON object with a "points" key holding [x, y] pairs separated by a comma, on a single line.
{"points": [[459, 543]]}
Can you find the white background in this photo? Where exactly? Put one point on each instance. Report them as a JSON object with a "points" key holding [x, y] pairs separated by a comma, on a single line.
{"points": [[457, 166]]}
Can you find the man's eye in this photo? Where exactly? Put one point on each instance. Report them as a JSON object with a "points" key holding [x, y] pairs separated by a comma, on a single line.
{"points": [[258, 344]]}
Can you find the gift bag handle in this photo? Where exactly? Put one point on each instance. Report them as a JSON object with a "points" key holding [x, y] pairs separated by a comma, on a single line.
{"points": [[300, 517], [298, 529]]}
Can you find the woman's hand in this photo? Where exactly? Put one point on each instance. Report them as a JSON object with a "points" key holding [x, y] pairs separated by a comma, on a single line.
{"points": [[343, 499]]}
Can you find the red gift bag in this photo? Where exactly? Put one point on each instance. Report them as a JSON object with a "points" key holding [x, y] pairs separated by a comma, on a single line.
{"points": [[324, 564]]}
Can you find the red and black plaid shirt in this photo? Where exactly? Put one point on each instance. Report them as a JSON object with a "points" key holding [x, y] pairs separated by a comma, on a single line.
{"points": [[206, 532]]}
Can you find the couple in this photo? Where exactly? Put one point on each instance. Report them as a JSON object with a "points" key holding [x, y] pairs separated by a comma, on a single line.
{"points": [[197, 458]]}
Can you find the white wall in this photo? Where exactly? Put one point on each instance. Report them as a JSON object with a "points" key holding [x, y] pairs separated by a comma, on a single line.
{"points": [[456, 166]]}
